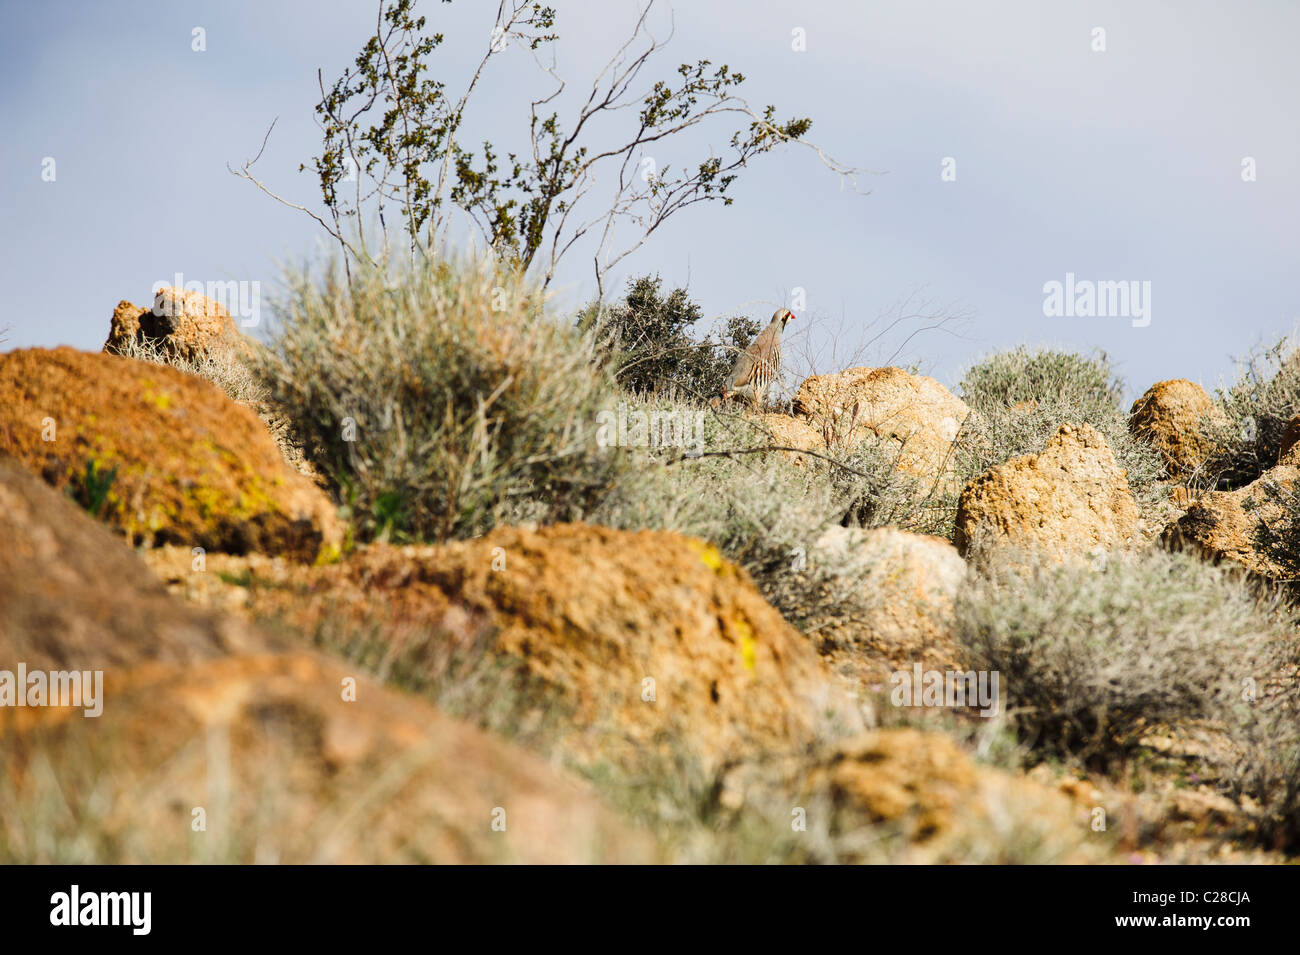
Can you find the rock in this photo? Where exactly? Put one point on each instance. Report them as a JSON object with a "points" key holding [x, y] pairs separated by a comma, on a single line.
{"points": [[124, 327], [1226, 525], [1066, 504], [1176, 418], [904, 795], [786, 431], [1289, 452], [646, 649], [163, 456], [280, 427], [903, 777], [183, 323], [74, 597], [285, 769], [913, 412], [896, 592], [199, 710], [1203, 807]]}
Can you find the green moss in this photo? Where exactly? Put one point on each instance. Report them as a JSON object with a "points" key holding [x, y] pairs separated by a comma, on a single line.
{"points": [[206, 500]]}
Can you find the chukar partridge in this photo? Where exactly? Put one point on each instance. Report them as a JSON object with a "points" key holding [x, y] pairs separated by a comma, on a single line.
{"points": [[758, 364]]}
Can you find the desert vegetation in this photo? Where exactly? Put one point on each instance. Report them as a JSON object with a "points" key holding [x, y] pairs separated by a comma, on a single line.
{"points": [[441, 549], [1250, 416], [457, 407]]}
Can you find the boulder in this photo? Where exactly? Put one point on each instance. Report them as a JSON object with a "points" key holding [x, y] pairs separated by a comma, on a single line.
{"points": [[1176, 417], [644, 649], [73, 597], [124, 327], [786, 431], [184, 324], [895, 591], [1067, 504], [1229, 525], [909, 796], [915, 413], [163, 456], [1289, 450], [290, 758]]}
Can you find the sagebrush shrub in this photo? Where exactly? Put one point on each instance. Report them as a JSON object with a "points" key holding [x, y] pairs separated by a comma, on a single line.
{"points": [[1247, 435], [760, 509], [1091, 660], [439, 400], [756, 507], [1025, 374], [1267, 767]]}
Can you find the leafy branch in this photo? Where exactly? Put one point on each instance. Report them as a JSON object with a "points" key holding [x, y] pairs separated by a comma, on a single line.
{"points": [[392, 139]]}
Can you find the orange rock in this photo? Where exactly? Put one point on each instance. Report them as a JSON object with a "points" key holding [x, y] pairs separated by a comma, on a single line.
{"points": [[1227, 525], [287, 757], [183, 323], [786, 431], [914, 412], [74, 597], [1289, 452], [163, 456], [286, 769], [1066, 504], [648, 648], [125, 325], [905, 795], [1175, 417], [894, 603]]}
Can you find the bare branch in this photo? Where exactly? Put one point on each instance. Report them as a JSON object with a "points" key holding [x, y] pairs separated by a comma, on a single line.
{"points": [[244, 172]]}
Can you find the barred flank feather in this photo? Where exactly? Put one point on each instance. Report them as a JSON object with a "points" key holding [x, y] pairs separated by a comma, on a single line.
{"points": [[759, 364]]}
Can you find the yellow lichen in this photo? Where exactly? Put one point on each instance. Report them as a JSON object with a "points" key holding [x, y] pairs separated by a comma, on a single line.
{"points": [[710, 555], [748, 645], [328, 554], [160, 400]]}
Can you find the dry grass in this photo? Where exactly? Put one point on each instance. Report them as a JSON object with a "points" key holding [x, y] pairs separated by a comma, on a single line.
{"points": [[225, 367]]}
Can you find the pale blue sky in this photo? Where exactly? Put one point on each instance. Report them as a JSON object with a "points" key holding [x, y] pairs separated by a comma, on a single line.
{"points": [[1122, 165]]}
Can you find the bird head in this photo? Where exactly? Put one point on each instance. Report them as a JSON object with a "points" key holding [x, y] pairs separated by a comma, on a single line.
{"points": [[782, 315]]}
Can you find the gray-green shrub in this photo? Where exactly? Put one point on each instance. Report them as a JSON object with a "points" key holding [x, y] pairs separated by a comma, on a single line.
{"points": [[1267, 765], [1255, 411], [1091, 660], [1022, 374], [758, 507], [440, 400]]}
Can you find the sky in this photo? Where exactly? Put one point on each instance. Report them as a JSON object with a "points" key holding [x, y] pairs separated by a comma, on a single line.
{"points": [[1010, 145]]}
